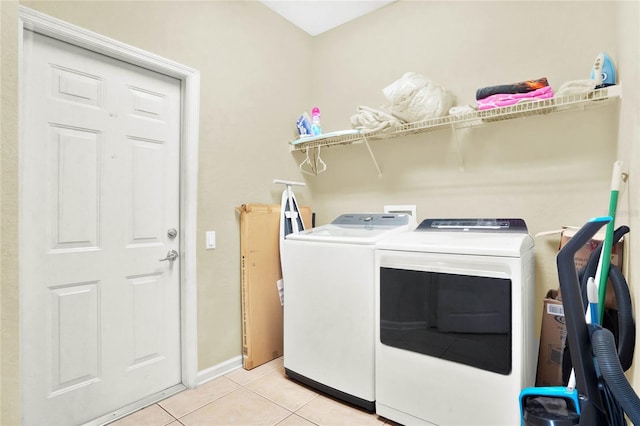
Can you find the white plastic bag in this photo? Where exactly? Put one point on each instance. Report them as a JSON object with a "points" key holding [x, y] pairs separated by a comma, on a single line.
{"points": [[414, 97]]}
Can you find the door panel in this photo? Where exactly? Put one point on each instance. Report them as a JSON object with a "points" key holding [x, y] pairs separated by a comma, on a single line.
{"points": [[147, 188], [74, 337], [75, 86], [75, 180], [100, 156], [147, 314]]}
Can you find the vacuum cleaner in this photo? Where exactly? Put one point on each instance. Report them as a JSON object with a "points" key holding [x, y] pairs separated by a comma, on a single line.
{"points": [[602, 395]]}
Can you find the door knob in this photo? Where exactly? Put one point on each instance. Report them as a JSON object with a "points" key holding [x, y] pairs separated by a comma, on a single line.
{"points": [[171, 256]]}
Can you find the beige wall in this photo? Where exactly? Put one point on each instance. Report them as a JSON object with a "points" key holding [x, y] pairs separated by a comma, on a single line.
{"points": [[551, 170], [254, 82], [9, 352], [252, 85], [259, 72], [628, 147]]}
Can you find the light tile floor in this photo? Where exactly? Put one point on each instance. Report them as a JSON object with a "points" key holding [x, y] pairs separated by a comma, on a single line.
{"points": [[262, 396]]}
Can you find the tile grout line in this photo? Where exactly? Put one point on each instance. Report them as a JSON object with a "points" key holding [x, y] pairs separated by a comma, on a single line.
{"points": [[211, 401], [172, 416], [245, 387], [291, 412], [246, 383]]}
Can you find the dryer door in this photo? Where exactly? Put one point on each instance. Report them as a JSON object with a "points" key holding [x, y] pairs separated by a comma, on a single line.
{"points": [[460, 318]]}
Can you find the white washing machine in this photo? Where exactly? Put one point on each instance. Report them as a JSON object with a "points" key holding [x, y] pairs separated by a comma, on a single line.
{"points": [[454, 308], [328, 275]]}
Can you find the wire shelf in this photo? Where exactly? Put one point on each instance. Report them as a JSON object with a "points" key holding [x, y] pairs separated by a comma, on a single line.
{"points": [[471, 119]]}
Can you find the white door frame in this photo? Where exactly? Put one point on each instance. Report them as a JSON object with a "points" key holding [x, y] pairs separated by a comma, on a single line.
{"points": [[190, 99]]}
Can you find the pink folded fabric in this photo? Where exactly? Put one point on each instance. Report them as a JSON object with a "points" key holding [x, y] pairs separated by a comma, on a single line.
{"points": [[506, 99]]}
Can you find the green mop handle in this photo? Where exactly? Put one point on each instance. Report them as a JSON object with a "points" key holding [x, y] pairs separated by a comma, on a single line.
{"points": [[607, 246]]}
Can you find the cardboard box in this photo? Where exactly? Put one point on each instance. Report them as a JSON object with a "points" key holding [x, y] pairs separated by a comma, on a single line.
{"points": [[582, 256], [262, 327], [552, 341]]}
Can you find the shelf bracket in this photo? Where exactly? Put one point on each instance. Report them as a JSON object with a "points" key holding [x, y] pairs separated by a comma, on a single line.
{"points": [[457, 143], [373, 157]]}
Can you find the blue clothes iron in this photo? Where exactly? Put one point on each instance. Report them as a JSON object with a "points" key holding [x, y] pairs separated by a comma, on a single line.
{"points": [[603, 72]]}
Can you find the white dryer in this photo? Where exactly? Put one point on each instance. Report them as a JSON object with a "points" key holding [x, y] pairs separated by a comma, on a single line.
{"points": [[328, 274], [455, 338]]}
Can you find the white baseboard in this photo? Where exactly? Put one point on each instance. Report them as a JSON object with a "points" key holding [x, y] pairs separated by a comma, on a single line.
{"points": [[219, 370]]}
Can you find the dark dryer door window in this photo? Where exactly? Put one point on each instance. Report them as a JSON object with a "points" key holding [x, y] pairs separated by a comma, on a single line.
{"points": [[460, 318]]}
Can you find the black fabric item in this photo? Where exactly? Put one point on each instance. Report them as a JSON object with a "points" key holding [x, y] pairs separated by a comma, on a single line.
{"points": [[520, 87]]}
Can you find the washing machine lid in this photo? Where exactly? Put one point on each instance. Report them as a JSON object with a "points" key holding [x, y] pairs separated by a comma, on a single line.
{"points": [[361, 228], [503, 242]]}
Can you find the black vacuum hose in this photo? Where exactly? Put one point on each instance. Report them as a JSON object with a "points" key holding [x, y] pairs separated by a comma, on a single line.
{"points": [[590, 268], [626, 325], [626, 329], [613, 375]]}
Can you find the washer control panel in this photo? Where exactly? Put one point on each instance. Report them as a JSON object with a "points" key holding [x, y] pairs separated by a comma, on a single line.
{"points": [[372, 219], [473, 225]]}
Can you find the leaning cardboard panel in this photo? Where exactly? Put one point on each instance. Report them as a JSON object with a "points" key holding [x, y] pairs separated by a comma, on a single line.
{"points": [[262, 317]]}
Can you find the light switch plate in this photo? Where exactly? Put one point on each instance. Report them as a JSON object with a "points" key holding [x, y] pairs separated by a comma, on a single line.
{"points": [[210, 240]]}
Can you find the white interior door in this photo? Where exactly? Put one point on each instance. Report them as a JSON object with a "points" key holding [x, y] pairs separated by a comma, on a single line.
{"points": [[99, 173]]}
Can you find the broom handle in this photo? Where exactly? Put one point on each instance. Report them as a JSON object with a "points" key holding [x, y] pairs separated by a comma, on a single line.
{"points": [[607, 246]]}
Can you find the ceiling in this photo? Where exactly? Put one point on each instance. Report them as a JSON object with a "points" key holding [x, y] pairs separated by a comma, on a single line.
{"points": [[318, 16]]}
